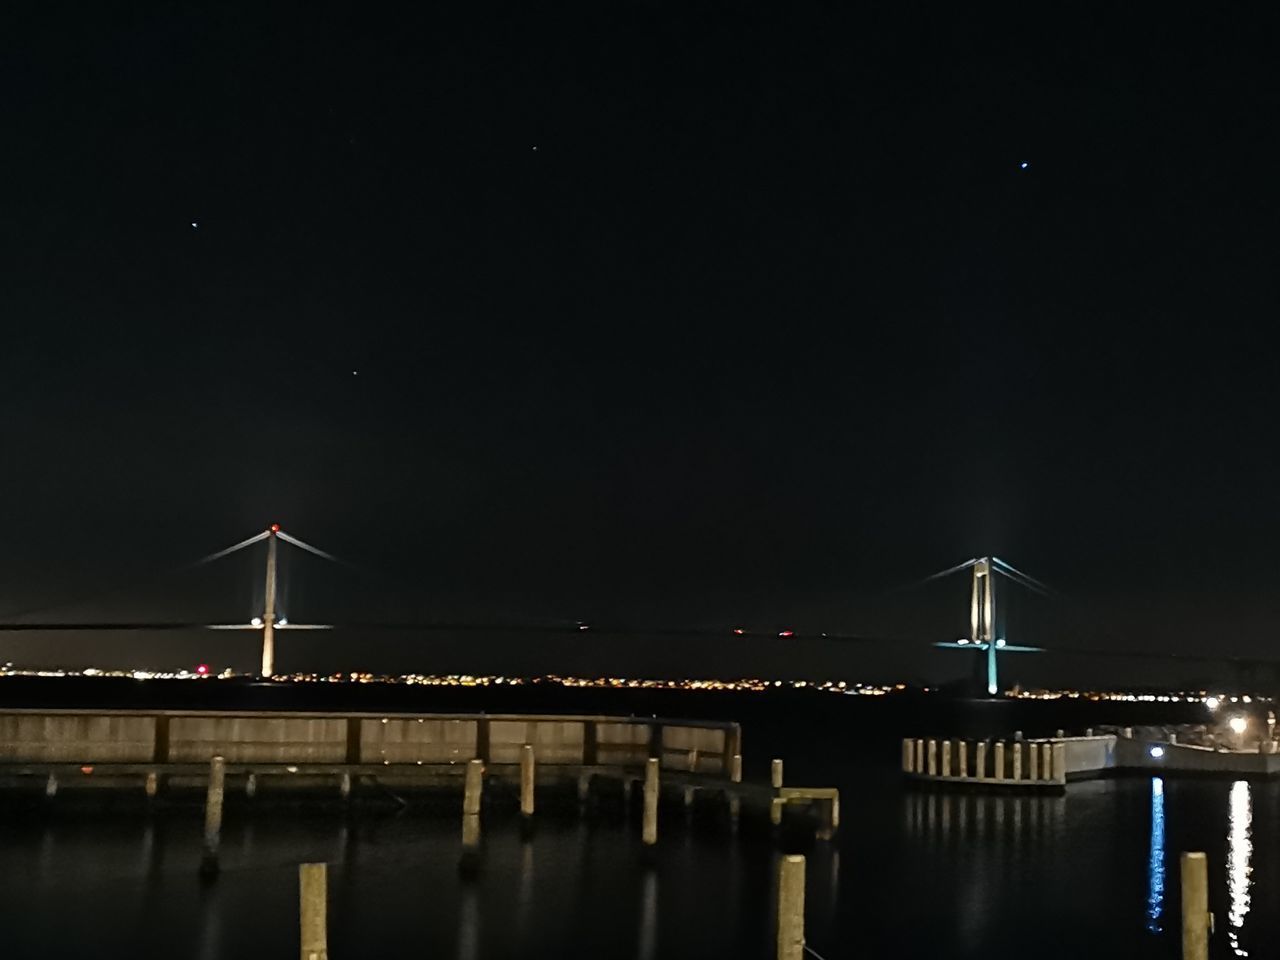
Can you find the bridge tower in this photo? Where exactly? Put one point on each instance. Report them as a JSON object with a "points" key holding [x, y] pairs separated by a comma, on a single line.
{"points": [[269, 613], [982, 617]]}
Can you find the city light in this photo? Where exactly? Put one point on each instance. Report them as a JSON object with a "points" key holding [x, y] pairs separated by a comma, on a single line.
{"points": [[1238, 724], [1156, 752], [1212, 703]]}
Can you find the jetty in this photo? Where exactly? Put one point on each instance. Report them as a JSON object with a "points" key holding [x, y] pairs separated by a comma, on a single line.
{"points": [[1050, 763]]}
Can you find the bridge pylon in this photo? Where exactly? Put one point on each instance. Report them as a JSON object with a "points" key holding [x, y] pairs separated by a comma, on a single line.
{"points": [[983, 632]]}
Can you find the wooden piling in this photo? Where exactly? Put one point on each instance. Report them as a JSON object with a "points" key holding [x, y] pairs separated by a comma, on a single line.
{"points": [[313, 900], [469, 859], [1195, 907], [946, 758], [735, 768], [649, 831], [213, 814], [472, 787], [791, 908], [908, 756], [931, 755], [980, 759], [1017, 760], [1059, 756], [919, 752], [775, 774], [526, 780], [963, 757], [1033, 761], [998, 760]]}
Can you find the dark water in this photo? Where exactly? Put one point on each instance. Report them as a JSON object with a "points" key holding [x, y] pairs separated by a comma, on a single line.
{"points": [[911, 874]]}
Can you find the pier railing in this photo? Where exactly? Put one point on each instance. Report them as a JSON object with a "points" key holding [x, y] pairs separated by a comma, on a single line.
{"points": [[1040, 763]]}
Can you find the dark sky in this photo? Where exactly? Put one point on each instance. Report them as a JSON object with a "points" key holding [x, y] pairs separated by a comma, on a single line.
{"points": [[653, 313]]}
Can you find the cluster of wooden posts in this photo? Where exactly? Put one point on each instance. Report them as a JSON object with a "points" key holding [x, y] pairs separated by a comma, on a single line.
{"points": [[313, 901], [1030, 763], [1197, 921], [778, 796]]}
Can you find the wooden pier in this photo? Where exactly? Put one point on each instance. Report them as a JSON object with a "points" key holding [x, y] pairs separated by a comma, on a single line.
{"points": [[354, 757]]}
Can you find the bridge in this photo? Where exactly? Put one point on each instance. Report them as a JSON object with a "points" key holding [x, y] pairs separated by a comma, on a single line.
{"points": [[986, 637]]}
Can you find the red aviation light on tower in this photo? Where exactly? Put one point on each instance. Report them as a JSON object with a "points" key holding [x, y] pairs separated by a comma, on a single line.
{"points": [[787, 633], [275, 528], [202, 669]]}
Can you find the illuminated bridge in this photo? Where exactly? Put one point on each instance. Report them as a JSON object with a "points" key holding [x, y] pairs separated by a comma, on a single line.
{"points": [[987, 638]]}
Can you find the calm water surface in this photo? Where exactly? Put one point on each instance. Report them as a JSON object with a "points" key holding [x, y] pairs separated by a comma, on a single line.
{"points": [[912, 874]]}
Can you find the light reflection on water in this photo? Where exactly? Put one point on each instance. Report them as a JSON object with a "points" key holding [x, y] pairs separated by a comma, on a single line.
{"points": [[1155, 860], [1239, 865]]}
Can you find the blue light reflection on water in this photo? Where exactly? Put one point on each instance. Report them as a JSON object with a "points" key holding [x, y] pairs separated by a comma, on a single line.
{"points": [[1155, 860]]}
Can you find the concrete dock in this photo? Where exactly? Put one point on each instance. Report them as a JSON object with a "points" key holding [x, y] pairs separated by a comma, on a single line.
{"points": [[1051, 763], [355, 756]]}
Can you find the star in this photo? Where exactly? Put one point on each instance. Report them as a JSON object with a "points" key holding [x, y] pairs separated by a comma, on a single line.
{"points": [[195, 225], [1023, 165]]}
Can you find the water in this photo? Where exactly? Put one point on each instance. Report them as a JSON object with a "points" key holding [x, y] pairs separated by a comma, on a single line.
{"points": [[945, 875]]}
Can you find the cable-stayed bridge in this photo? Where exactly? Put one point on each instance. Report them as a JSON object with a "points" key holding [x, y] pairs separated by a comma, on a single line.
{"points": [[988, 637]]}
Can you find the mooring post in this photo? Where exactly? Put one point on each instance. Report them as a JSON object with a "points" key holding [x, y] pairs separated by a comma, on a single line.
{"points": [[775, 774], [344, 786], [1059, 763], [213, 814], [735, 768], [693, 761], [980, 760], [1195, 907], [1033, 761], [472, 786], [251, 786], [152, 785], [1017, 760], [932, 757], [999, 760], [946, 758], [650, 829], [1059, 734], [908, 756], [313, 899], [51, 786], [791, 908], [526, 780], [919, 748], [963, 757]]}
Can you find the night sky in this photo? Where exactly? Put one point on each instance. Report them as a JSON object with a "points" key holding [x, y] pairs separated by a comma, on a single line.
{"points": [[640, 313]]}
